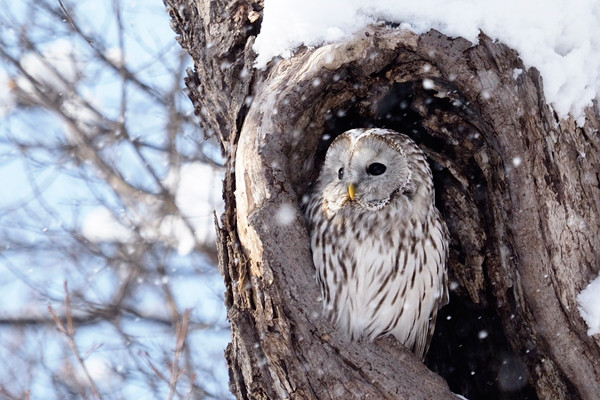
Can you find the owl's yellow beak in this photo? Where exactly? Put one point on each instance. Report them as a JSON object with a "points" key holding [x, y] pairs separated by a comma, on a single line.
{"points": [[351, 191]]}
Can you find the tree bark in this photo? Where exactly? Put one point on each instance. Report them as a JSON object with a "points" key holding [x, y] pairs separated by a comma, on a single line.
{"points": [[518, 187]]}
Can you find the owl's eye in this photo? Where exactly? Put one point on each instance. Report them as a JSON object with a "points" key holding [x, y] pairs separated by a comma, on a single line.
{"points": [[341, 173], [376, 169]]}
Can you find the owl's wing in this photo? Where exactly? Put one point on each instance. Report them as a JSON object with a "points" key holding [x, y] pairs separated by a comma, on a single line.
{"points": [[424, 337]]}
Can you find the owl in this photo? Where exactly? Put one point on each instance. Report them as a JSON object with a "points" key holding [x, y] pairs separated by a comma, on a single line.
{"points": [[379, 244]]}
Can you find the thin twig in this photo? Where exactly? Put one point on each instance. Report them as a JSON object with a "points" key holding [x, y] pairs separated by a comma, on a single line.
{"points": [[69, 332], [74, 25], [181, 335]]}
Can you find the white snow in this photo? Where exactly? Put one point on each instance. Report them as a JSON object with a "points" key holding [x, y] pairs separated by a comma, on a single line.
{"points": [[517, 73], [57, 68], [428, 84], [115, 55], [561, 38], [101, 225], [100, 370], [198, 192], [517, 161], [173, 230], [81, 113], [285, 214], [589, 306], [197, 189]]}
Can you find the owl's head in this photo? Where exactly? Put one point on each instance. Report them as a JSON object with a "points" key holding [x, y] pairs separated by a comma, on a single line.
{"points": [[369, 167]]}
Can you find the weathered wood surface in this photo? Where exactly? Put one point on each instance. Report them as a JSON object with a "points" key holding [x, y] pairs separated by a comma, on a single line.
{"points": [[519, 190]]}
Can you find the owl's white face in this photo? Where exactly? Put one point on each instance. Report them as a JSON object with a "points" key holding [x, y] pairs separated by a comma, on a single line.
{"points": [[366, 168]]}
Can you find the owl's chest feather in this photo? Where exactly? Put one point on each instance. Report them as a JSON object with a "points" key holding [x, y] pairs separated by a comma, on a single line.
{"points": [[375, 268]]}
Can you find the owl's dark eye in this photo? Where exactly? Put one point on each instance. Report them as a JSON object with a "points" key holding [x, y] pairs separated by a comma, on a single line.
{"points": [[376, 169], [341, 173]]}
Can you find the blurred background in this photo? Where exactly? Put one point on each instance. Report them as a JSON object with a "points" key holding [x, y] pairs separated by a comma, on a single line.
{"points": [[108, 280]]}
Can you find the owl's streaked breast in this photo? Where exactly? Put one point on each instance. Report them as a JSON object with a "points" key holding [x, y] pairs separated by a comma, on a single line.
{"points": [[375, 287]]}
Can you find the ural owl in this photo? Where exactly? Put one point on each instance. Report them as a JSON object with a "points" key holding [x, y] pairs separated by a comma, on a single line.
{"points": [[378, 242]]}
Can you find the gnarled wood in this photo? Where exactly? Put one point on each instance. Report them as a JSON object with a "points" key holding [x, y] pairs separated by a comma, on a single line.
{"points": [[519, 190]]}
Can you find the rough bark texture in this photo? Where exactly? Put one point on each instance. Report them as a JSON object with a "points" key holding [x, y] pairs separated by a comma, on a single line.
{"points": [[519, 190]]}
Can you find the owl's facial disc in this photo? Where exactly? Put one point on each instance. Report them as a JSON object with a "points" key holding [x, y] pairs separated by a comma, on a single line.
{"points": [[363, 169], [376, 172]]}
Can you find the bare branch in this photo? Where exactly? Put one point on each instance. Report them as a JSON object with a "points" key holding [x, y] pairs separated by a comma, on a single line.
{"points": [[104, 136], [69, 332]]}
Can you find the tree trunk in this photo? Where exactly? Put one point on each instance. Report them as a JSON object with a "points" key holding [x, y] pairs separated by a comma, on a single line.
{"points": [[519, 190]]}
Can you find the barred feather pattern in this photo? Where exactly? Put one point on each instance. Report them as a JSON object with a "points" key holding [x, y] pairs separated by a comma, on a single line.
{"points": [[380, 248]]}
